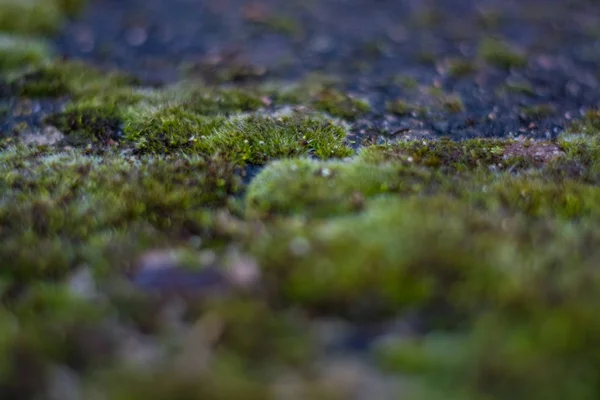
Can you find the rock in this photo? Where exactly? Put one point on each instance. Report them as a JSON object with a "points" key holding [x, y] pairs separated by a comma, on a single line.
{"points": [[63, 384], [162, 272]]}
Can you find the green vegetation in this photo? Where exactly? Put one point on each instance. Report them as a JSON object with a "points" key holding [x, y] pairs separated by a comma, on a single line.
{"points": [[281, 24], [588, 125], [500, 54], [439, 227], [522, 87], [538, 111], [401, 107], [62, 202], [459, 68], [73, 78], [340, 105], [319, 93], [252, 139], [17, 52], [35, 16], [135, 263], [486, 241], [448, 102]]}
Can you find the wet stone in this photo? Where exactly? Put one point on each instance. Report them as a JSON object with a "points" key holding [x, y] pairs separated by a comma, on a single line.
{"points": [[161, 273]]}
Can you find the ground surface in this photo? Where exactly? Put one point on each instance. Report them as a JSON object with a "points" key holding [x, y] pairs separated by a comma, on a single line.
{"points": [[299, 200]]}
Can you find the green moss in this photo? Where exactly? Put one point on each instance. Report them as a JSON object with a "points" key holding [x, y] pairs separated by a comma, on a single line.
{"points": [[340, 105], [402, 108], [453, 104], [375, 263], [408, 83], [253, 139], [97, 124], [447, 155], [500, 54], [168, 129], [208, 101], [257, 139], [36, 17], [523, 87], [506, 251], [448, 102], [490, 249], [588, 125], [322, 189], [426, 57], [29, 16], [61, 78], [71, 7], [538, 111], [281, 24], [59, 203], [318, 92], [459, 68], [18, 52]]}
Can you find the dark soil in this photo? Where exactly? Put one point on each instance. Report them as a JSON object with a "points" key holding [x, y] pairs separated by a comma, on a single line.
{"points": [[380, 50]]}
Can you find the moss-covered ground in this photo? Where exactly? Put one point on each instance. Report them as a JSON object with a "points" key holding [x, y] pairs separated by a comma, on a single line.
{"points": [[219, 240]]}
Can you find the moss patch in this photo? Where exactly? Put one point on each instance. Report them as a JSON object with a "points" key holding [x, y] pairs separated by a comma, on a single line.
{"points": [[74, 78], [36, 17], [320, 93], [252, 139], [500, 54], [61, 202], [588, 125], [17, 52]]}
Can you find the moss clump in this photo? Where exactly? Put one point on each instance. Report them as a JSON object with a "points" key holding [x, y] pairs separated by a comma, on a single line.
{"points": [[257, 139], [340, 105], [483, 248], [319, 93], [494, 261], [402, 108], [588, 125], [166, 130], [447, 102], [17, 52], [208, 101], [29, 16], [521, 87], [253, 139], [538, 111], [375, 263], [444, 154], [453, 104], [322, 189], [459, 68], [100, 125], [499, 54], [61, 203], [61, 78], [281, 24], [36, 17]]}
